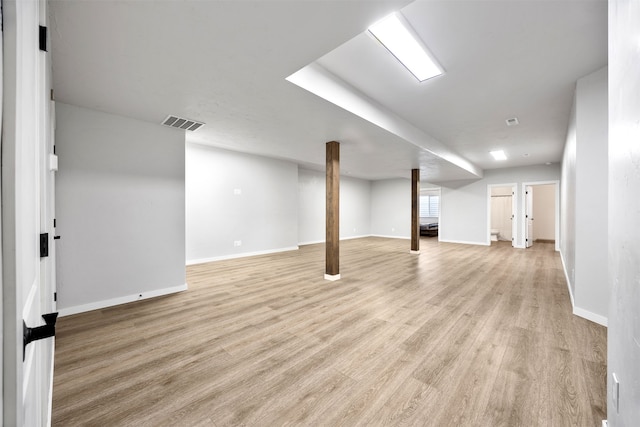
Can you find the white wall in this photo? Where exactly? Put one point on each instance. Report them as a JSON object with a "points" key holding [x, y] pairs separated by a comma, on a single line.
{"points": [[234, 197], [568, 203], [391, 208], [592, 293], [584, 240], [355, 207], [120, 209], [463, 211], [624, 212], [544, 215]]}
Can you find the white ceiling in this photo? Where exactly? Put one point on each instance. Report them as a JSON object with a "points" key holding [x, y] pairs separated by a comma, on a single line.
{"points": [[225, 63]]}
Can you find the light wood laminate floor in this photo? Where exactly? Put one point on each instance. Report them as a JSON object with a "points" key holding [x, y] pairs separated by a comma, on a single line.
{"points": [[459, 335]]}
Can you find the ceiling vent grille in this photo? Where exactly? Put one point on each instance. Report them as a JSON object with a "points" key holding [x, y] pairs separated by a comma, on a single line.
{"points": [[512, 121], [181, 123]]}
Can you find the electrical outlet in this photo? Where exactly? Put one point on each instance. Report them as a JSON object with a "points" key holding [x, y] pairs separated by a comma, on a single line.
{"points": [[615, 392], [393, 229], [237, 243], [237, 191]]}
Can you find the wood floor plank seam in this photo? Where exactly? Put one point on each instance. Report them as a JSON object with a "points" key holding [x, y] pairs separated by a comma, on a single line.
{"points": [[458, 335]]}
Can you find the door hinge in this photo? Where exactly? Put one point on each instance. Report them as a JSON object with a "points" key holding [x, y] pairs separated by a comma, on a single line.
{"points": [[44, 245], [43, 38], [55, 297], [54, 223]]}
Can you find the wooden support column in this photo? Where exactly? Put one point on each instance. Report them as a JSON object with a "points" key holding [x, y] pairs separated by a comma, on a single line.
{"points": [[332, 269], [415, 211]]}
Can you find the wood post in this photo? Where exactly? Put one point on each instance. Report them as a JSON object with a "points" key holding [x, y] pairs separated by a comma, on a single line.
{"points": [[415, 211], [332, 245]]}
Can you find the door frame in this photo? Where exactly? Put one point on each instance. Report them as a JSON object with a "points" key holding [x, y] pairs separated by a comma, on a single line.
{"points": [[556, 183], [16, 366], [514, 211]]}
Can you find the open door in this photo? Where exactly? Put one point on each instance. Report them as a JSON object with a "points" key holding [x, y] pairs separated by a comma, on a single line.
{"points": [[528, 212], [27, 222]]}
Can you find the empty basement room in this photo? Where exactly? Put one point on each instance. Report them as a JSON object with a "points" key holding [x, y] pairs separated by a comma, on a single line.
{"points": [[229, 202]]}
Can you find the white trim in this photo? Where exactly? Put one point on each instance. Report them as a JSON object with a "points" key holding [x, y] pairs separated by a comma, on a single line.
{"points": [[241, 255], [578, 311], [566, 276], [121, 300], [355, 237], [463, 242], [332, 277], [50, 401], [311, 242], [557, 208], [391, 237], [414, 252], [586, 314], [315, 242], [514, 211]]}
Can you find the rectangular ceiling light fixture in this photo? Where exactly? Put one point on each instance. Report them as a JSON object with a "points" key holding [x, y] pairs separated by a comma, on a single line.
{"points": [[398, 37], [498, 155]]}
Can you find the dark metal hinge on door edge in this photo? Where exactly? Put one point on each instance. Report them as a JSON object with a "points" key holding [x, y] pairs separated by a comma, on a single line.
{"points": [[44, 245], [42, 33]]}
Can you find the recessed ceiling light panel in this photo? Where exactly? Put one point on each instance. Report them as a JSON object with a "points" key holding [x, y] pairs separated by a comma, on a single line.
{"points": [[398, 37], [498, 155]]}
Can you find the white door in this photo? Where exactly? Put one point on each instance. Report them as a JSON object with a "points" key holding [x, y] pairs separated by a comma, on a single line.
{"points": [[528, 212], [27, 202], [514, 230]]}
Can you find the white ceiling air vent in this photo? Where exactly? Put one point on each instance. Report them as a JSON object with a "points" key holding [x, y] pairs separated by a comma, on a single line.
{"points": [[181, 123], [512, 121]]}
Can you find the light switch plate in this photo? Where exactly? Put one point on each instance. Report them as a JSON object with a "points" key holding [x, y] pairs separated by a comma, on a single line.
{"points": [[615, 392]]}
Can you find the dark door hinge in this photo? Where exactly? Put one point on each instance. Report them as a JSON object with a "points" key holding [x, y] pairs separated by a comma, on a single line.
{"points": [[44, 245], [43, 38]]}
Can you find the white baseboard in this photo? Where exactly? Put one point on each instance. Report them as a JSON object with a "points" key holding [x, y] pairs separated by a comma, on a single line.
{"points": [[241, 255], [578, 311], [315, 242], [463, 242], [585, 314], [566, 277], [121, 300], [355, 237], [391, 237]]}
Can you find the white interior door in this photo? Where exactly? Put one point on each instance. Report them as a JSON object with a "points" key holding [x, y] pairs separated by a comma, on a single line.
{"points": [[528, 212], [26, 193], [514, 230]]}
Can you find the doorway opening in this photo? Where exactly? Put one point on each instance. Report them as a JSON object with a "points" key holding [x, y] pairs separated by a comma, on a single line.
{"points": [[501, 224], [541, 213], [429, 211]]}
